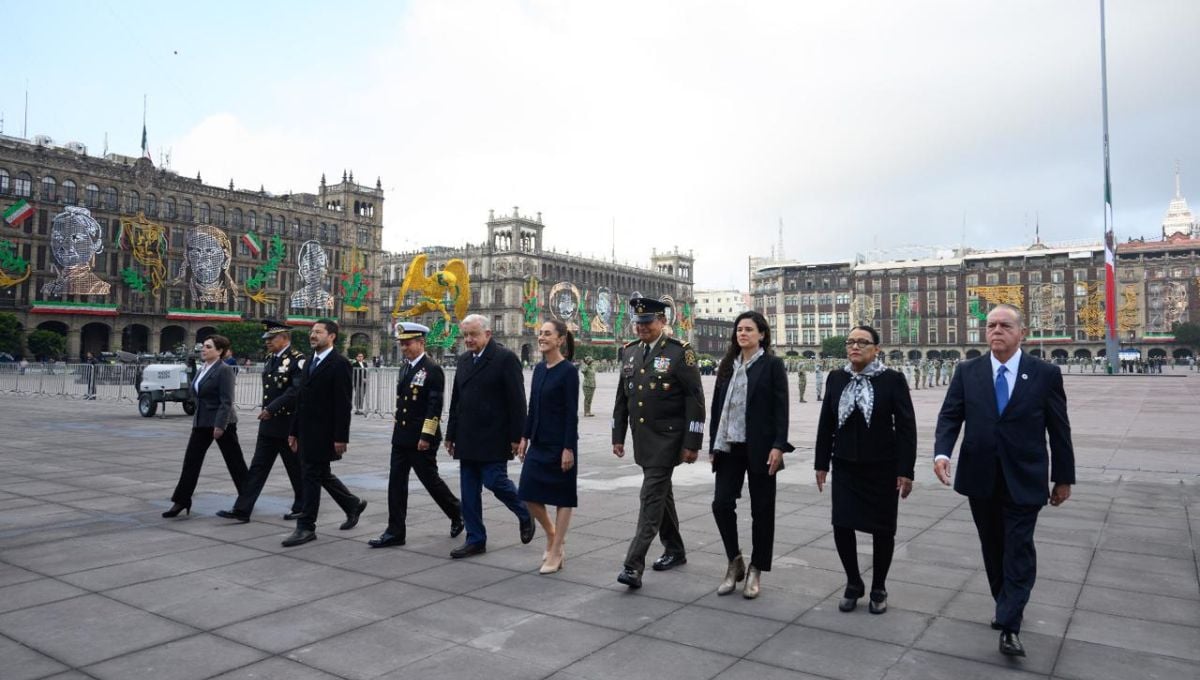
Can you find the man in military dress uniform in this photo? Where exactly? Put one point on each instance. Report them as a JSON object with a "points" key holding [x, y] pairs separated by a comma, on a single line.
{"points": [[281, 376], [420, 391], [660, 398]]}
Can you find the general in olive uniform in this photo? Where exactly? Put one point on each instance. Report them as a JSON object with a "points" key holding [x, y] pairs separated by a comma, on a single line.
{"points": [[589, 385], [420, 393], [281, 377], [659, 397]]}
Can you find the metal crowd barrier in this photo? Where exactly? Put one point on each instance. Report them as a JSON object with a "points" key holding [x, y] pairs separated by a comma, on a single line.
{"points": [[374, 388]]}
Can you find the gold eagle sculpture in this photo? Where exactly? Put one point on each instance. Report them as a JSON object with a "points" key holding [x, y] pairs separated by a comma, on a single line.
{"points": [[447, 289]]}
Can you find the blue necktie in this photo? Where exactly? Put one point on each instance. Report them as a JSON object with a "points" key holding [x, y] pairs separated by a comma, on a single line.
{"points": [[1001, 390]]}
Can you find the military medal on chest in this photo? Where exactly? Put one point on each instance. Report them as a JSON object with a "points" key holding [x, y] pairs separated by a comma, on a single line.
{"points": [[419, 378], [662, 364]]}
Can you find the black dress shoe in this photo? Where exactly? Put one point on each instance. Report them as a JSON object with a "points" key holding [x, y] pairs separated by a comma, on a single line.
{"points": [[229, 514], [1010, 644], [468, 549], [456, 527], [352, 517], [177, 508], [878, 602], [669, 562], [299, 537], [630, 578], [849, 600], [527, 530], [386, 540]]}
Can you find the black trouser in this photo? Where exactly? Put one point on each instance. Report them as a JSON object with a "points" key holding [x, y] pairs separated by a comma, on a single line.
{"points": [[193, 460], [316, 475], [266, 449], [656, 516], [881, 559], [732, 469], [1009, 557], [424, 463]]}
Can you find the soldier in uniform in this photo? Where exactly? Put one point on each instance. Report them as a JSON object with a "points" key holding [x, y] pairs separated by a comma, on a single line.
{"points": [[589, 385], [803, 378], [281, 376], [420, 391], [916, 372], [660, 398], [819, 379]]}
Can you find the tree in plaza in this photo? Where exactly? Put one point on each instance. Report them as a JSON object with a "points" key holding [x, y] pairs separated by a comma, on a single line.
{"points": [[1187, 334], [245, 338], [300, 339], [596, 352], [834, 347], [46, 344], [354, 350], [10, 334]]}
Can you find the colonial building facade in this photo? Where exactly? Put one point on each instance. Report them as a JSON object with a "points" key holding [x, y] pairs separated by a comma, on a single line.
{"points": [[517, 283], [115, 253], [936, 307]]}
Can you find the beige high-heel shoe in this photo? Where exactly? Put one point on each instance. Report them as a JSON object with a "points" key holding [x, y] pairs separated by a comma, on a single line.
{"points": [[549, 568], [736, 572], [752, 587]]}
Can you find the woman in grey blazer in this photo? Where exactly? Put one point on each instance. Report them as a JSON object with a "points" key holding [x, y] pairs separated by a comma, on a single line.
{"points": [[215, 418]]}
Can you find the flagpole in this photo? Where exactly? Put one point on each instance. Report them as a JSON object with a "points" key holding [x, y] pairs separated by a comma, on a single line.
{"points": [[1111, 341]]}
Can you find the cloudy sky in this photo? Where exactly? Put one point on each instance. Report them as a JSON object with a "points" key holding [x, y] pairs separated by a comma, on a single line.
{"points": [[861, 125]]}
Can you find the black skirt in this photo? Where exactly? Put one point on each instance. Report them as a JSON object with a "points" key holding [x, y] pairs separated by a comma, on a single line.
{"points": [[865, 496], [543, 480]]}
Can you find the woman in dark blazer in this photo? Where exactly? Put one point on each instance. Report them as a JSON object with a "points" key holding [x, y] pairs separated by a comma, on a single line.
{"points": [[747, 439], [215, 418], [867, 430], [551, 440]]}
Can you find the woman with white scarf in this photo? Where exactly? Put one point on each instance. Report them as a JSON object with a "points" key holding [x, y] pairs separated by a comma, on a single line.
{"points": [[868, 431], [748, 435]]}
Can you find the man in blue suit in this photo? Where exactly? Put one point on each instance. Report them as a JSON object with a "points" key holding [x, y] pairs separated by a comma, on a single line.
{"points": [[1011, 404]]}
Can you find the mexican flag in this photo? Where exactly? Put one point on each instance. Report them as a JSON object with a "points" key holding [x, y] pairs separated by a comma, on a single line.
{"points": [[253, 243], [18, 213]]}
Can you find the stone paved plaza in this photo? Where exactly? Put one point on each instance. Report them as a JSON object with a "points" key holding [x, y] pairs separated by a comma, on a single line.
{"points": [[94, 583]]}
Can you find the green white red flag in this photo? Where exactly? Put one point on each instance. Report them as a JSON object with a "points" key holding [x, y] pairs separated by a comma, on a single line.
{"points": [[18, 213]]}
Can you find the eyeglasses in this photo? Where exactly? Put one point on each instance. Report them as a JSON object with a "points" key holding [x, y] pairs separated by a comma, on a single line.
{"points": [[859, 343]]}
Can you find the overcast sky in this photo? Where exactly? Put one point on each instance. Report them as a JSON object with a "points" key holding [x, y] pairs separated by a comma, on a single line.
{"points": [[861, 125]]}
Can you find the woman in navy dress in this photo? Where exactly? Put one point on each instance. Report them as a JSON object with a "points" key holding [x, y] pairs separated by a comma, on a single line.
{"points": [[551, 439]]}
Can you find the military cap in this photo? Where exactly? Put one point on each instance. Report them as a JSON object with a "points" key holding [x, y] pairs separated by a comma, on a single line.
{"points": [[406, 330], [273, 327], [644, 309]]}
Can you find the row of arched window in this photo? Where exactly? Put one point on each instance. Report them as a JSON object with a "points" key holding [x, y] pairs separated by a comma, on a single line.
{"points": [[95, 198]]}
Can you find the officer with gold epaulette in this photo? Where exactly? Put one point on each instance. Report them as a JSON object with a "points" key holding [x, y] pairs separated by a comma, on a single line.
{"points": [[281, 376], [659, 398], [420, 393]]}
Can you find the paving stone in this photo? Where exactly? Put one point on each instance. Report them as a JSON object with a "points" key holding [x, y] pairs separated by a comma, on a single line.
{"points": [[1088, 661], [31, 593], [978, 642], [642, 658], [370, 651], [276, 668], [1167, 639], [750, 670], [204, 600], [921, 665], [895, 625], [193, 658], [1124, 603], [22, 663], [828, 654], [290, 628], [694, 626], [546, 641], [88, 629], [465, 663]]}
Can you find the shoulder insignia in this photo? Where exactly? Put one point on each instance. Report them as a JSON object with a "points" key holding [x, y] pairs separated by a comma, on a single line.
{"points": [[689, 356], [300, 363]]}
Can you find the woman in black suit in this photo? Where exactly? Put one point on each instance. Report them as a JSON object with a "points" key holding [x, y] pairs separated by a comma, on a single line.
{"points": [[215, 418], [748, 437], [868, 431], [551, 440]]}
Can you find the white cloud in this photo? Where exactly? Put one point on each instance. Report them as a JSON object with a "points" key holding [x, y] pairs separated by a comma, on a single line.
{"points": [[701, 124]]}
